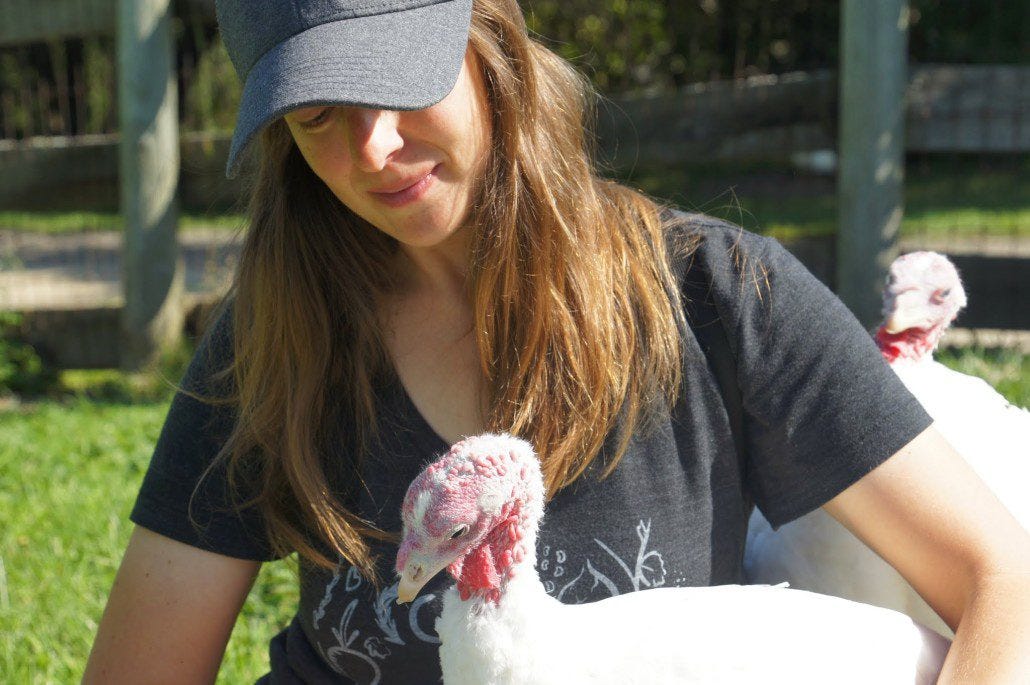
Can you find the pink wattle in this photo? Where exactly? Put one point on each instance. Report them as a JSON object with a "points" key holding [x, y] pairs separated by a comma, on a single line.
{"points": [[912, 343], [485, 569], [479, 574]]}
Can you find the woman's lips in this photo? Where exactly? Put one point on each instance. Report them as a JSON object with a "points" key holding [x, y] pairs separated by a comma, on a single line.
{"points": [[408, 194]]}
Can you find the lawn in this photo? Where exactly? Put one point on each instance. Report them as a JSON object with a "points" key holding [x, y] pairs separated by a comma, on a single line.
{"points": [[72, 222], [68, 477], [69, 471]]}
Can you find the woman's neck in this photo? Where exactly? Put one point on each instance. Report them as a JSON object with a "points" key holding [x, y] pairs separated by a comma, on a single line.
{"points": [[441, 269]]}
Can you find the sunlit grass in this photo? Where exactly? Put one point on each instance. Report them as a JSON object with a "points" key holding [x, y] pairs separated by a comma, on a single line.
{"points": [[71, 222], [1007, 370], [69, 473]]}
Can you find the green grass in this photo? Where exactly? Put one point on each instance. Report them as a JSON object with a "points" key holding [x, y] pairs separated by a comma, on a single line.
{"points": [[68, 478], [69, 472], [71, 222], [1007, 370]]}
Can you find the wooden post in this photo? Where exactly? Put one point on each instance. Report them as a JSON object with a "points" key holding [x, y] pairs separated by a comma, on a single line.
{"points": [[873, 75], [152, 273]]}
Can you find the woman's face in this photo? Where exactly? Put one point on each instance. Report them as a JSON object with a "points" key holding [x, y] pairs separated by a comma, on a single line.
{"points": [[411, 174]]}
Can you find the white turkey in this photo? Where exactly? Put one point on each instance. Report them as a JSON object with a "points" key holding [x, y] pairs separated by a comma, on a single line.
{"points": [[923, 296], [476, 511]]}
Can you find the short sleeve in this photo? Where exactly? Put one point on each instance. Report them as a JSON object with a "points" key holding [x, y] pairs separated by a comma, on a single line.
{"points": [[170, 501], [821, 408]]}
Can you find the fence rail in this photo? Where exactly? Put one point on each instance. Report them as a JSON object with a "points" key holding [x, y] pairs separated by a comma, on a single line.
{"points": [[30, 21], [950, 108]]}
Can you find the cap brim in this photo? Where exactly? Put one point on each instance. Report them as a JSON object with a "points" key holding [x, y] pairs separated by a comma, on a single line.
{"points": [[402, 60]]}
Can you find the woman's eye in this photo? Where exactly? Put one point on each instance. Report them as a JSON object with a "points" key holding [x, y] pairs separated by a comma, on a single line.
{"points": [[317, 120], [459, 531]]}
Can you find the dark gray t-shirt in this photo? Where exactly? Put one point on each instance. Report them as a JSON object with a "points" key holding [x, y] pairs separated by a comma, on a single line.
{"points": [[819, 409]]}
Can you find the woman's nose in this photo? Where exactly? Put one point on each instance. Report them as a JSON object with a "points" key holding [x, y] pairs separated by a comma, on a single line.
{"points": [[374, 137]]}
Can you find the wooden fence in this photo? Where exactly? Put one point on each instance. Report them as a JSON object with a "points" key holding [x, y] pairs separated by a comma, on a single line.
{"points": [[951, 108], [27, 21], [148, 159]]}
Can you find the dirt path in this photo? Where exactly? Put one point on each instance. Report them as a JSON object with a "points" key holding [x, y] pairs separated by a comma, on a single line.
{"points": [[40, 271]]}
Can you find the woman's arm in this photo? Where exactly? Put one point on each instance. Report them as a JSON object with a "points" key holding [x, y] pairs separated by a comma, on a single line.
{"points": [[928, 514], [170, 613]]}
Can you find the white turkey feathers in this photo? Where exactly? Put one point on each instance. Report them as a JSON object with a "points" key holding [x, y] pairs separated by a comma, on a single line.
{"points": [[498, 626]]}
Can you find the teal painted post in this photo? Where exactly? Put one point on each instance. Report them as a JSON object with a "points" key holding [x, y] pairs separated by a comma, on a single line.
{"points": [[870, 180], [152, 274]]}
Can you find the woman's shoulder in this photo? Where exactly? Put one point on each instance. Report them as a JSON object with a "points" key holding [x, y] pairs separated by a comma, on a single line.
{"points": [[707, 233], [720, 251]]}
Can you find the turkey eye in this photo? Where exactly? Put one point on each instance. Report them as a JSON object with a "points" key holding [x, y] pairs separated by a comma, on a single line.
{"points": [[945, 293], [459, 531]]}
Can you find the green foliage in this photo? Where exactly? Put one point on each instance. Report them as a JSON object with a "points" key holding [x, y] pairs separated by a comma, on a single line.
{"points": [[213, 93], [970, 32], [98, 64], [154, 384], [618, 43], [14, 79], [22, 371], [78, 221], [624, 44], [25, 374]]}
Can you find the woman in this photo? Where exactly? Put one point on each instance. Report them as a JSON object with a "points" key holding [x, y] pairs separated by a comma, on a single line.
{"points": [[430, 255]]}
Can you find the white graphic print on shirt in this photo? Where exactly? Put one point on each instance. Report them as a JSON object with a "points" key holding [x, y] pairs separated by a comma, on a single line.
{"points": [[572, 581]]}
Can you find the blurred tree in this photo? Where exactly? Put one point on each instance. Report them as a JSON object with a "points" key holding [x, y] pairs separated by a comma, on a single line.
{"points": [[655, 43], [211, 91], [970, 31], [713, 39], [620, 44]]}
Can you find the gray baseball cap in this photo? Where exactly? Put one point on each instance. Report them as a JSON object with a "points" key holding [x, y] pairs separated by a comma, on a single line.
{"points": [[385, 54]]}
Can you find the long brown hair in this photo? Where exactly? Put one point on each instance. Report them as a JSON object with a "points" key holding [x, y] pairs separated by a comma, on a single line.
{"points": [[575, 306]]}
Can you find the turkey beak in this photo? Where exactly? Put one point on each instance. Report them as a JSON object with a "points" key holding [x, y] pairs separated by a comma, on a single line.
{"points": [[905, 313], [416, 573]]}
